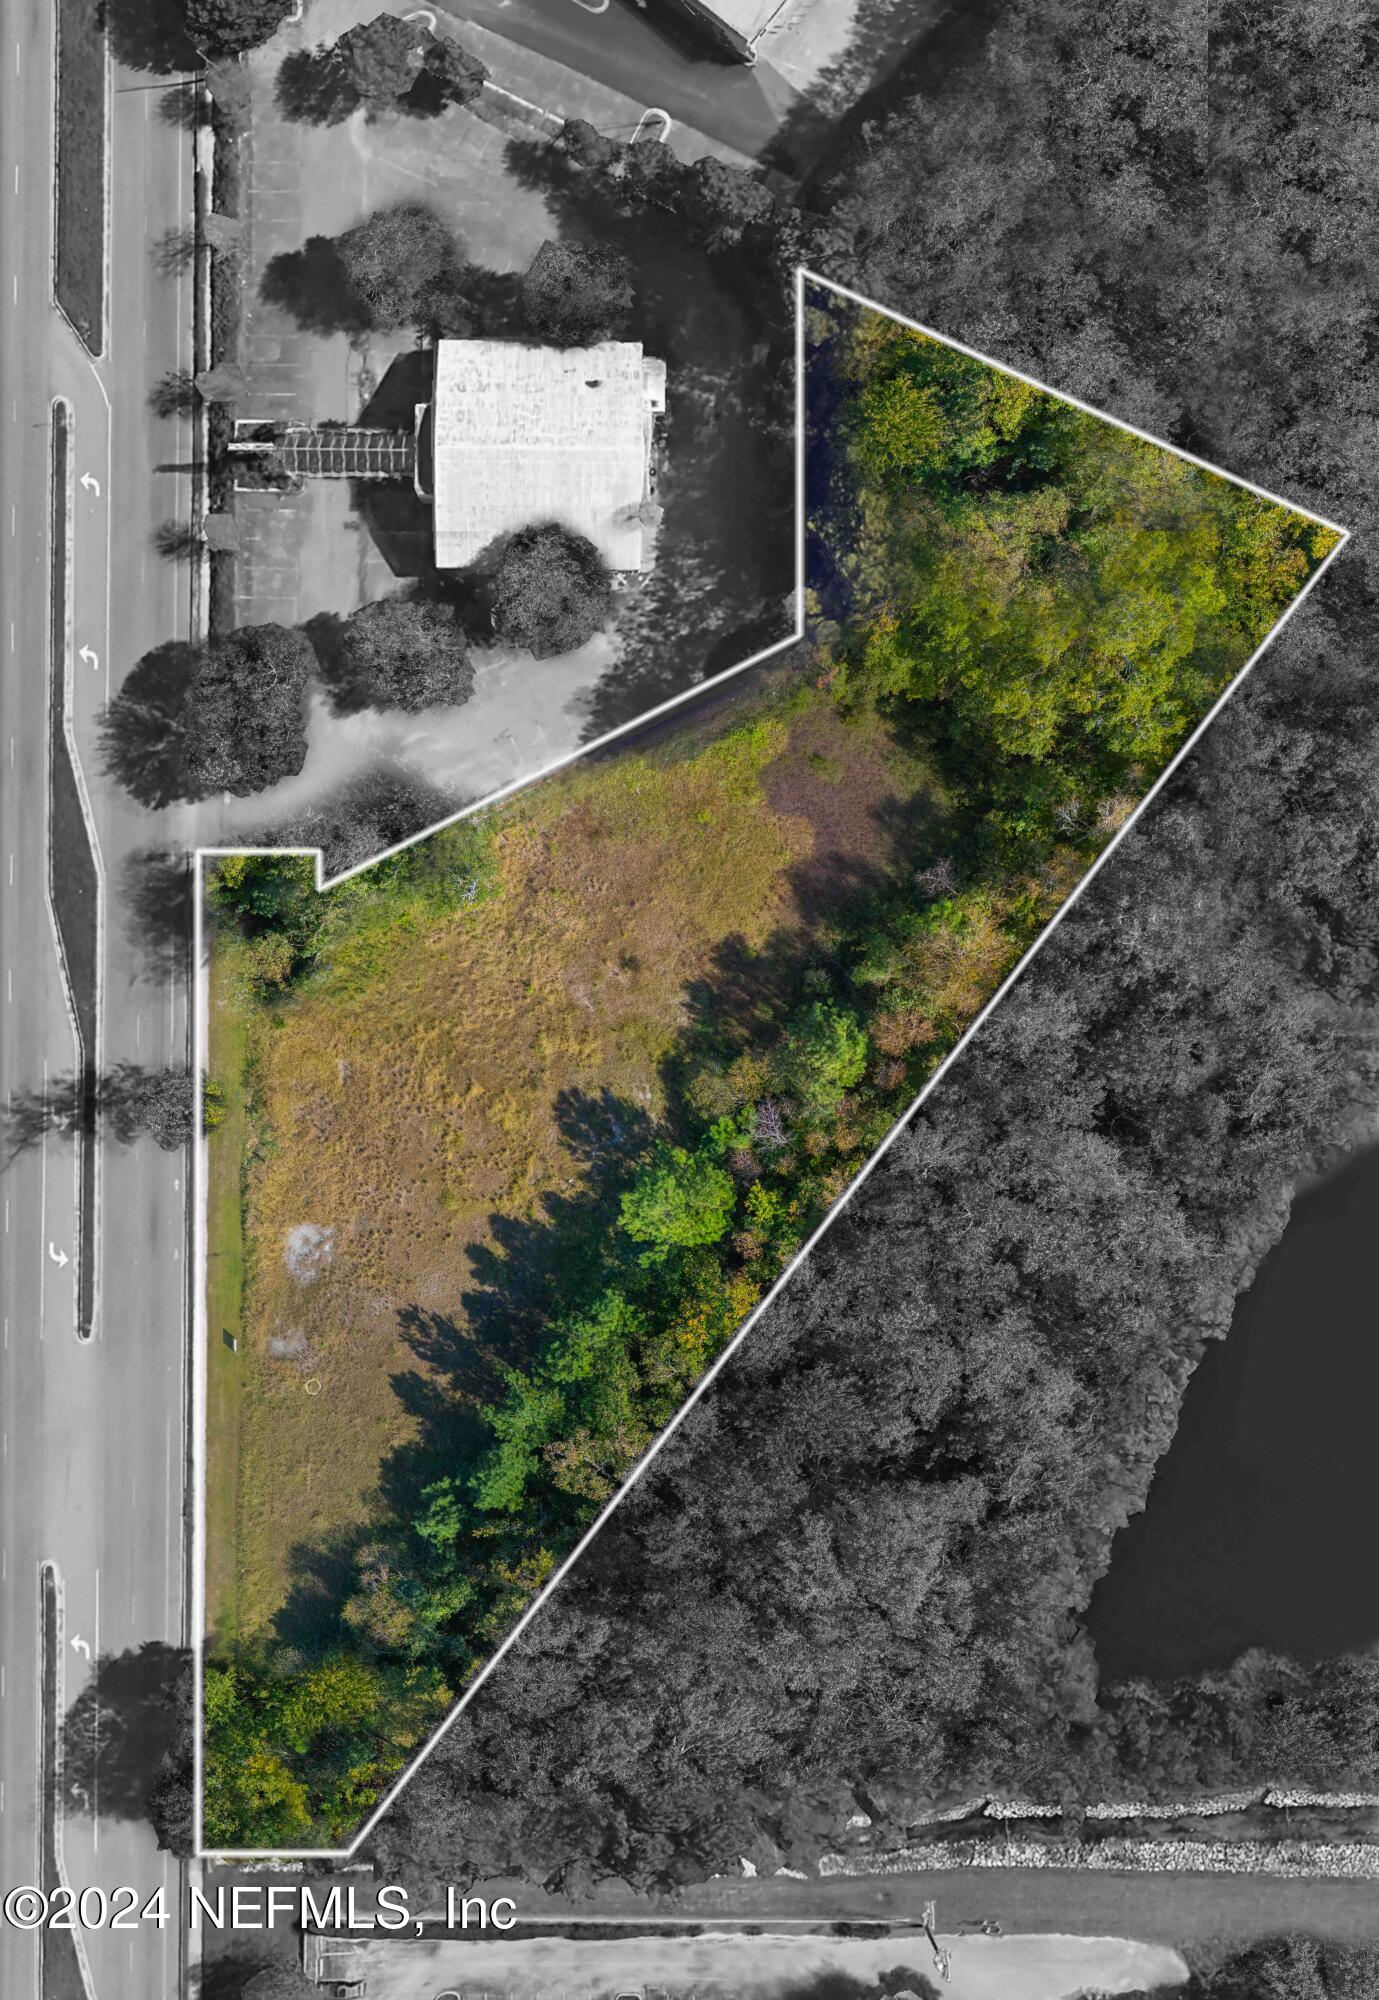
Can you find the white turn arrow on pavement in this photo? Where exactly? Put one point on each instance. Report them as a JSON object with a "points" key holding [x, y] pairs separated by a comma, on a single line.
{"points": [[92, 658], [91, 483], [58, 1256], [83, 1647]]}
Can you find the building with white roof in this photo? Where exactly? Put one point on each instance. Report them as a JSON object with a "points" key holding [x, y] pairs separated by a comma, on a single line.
{"points": [[518, 436]]}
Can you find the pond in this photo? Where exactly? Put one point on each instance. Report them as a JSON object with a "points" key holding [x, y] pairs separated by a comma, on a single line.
{"points": [[1259, 1525]]}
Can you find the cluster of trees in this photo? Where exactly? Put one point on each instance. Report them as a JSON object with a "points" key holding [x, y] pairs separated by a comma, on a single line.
{"points": [[1067, 598], [720, 204], [1292, 1967], [406, 266], [230, 715], [778, 1106], [352, 1720], [387, 64], [224, 29], [401, 266]]}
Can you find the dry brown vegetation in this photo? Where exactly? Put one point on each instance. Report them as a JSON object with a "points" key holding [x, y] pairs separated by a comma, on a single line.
{"points": [[405, 1103]]}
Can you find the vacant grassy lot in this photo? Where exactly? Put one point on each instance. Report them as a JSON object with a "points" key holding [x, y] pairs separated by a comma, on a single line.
{"points": [[225, 1291], [420, 1102], [79, 277]]}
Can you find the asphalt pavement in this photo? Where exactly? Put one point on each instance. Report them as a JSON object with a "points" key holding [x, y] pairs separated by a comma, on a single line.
{"points": [[91, 1433], [646, 56]]}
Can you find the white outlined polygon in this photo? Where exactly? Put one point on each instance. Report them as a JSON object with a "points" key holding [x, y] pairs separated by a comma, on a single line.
{"points": [[803, 278]]}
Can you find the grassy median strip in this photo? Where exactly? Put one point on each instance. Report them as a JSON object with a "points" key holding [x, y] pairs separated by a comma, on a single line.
{"points": [[73, 884], [79, 273]]}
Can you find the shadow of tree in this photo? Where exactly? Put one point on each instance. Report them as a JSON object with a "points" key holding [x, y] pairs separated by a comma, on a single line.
{"points": [[892, 46], [313, 87], [173, 395], [248, 1971], [310, 1624], [370, 812], [133, 1099], [313, 287], [833, 1983], [150, 35], [143, 732], [120, 1727], [155, 887]]}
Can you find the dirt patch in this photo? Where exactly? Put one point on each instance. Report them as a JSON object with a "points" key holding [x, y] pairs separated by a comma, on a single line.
{"points": [[309, 1251], [866, 805], [290, 1346]]}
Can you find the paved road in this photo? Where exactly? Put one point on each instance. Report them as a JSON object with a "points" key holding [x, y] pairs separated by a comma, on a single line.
{"points": [[1161, 1908], [90, 1434], [619, 45]]}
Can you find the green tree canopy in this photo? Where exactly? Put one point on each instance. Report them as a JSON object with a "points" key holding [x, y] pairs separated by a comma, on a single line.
{"points": [[822, 1054], [680, 1200]]}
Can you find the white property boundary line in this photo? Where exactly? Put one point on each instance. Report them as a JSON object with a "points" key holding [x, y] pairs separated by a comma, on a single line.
{"points": [[200, 1330]]}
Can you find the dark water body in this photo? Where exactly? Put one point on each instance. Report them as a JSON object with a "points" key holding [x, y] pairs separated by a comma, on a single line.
{"points": [[1261, 1521]]}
